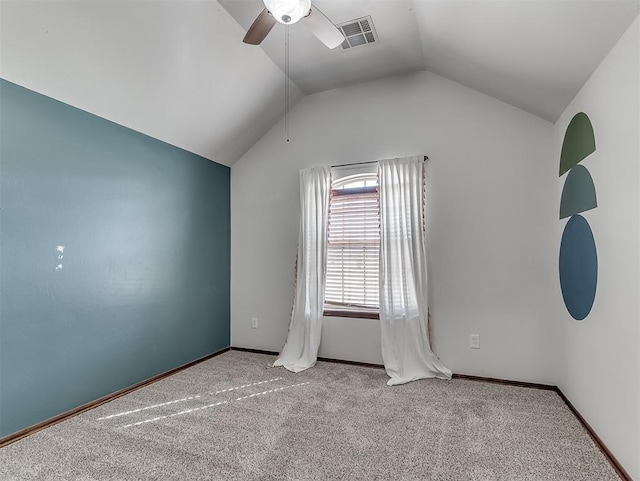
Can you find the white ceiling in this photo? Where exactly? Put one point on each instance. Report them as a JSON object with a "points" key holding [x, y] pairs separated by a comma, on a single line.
{"points": [[533, 54], [315, 68], [178, 71]]}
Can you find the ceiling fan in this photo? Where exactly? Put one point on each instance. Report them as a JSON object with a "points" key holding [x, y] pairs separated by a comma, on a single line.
{"points": [[289, 12]]}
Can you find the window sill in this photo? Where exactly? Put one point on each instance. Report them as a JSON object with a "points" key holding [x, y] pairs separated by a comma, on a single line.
{"points": [[351, 314]]}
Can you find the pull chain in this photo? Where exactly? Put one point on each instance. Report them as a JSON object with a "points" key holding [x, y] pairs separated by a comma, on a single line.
{"points": [[286, 81]]}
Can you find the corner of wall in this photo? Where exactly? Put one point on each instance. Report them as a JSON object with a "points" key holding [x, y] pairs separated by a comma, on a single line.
{"points": [[599, 367]]}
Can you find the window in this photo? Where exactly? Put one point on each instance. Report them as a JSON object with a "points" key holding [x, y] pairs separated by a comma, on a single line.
{"points": [[353, 247]]}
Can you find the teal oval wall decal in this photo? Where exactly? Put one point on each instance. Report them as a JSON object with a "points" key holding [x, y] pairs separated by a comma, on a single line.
{"points": [[578, 193], [579, 142], [578, 267]]}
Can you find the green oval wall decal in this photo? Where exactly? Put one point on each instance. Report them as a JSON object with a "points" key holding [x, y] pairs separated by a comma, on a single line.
{"points": [[578, 143], [578, 193]]}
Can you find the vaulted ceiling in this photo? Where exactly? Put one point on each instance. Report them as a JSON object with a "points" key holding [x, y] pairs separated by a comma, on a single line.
{"points": [[177, 70]]}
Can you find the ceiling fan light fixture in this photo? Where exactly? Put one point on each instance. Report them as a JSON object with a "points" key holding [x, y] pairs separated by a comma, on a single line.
{"points": [[288, 11]]}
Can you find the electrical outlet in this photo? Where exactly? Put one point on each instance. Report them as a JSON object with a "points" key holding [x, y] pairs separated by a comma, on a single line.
{"points": [[254, 323], [474, 341]]}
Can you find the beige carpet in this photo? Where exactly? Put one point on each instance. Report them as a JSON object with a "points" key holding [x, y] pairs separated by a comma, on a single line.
{"points": [[233, 417]]}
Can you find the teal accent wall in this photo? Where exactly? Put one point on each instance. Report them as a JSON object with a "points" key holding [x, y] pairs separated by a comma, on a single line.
{"points": [[114, 257]]}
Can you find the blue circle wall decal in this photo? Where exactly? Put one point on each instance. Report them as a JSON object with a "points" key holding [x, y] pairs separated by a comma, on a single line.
{"points": [[578, 267]]}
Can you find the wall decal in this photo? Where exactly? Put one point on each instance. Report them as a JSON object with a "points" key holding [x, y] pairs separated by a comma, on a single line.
{"points": [[578, 193], [578, 143], [578, 263], [578, 267]]}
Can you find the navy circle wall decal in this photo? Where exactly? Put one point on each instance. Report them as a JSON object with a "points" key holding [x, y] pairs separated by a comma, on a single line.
{"points": [[578, 267]]}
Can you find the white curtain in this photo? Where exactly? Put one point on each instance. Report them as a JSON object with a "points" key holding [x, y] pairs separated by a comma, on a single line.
{"points": [[300, 352], [404, 304]]}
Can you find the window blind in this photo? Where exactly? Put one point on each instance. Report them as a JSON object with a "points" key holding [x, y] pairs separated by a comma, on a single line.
{"points": [[353, 250]]}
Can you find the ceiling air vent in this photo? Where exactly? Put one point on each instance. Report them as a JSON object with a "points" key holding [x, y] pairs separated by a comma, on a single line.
{"points": [[358, 32]]}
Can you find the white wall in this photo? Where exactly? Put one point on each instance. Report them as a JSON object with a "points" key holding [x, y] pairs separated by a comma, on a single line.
{"points": [[492, 205], [600, 356]]}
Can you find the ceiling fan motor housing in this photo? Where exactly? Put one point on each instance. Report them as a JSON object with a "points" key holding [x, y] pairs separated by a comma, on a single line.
{"points": [[288, 11]]}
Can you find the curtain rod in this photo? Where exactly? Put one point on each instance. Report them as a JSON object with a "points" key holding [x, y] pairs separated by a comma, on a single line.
{"points": [[368, 162]]}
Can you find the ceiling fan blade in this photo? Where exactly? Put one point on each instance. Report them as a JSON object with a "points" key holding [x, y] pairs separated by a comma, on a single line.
{"points": [[259, 29], [323, 28]]}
